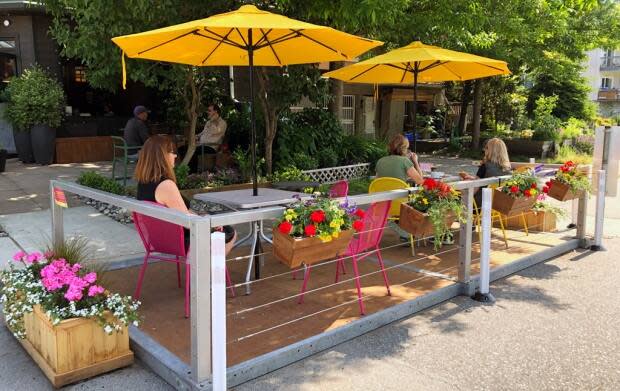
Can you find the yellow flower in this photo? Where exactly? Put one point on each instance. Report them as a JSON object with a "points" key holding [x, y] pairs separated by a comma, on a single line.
{"points": [[334, 224], [288, 217], [425, 201], [325, 238], [290, 211], [533, 192], [335, 234]]}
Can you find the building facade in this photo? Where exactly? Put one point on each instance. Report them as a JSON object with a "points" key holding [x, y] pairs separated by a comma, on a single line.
{"points": [[603, 74]]}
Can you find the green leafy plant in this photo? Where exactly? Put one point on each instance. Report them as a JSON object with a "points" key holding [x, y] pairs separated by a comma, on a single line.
{"points": [[573, 128], [181, 172], [521, 184], [244, 162], [568, 153], [327, 157], [35, 98], [304, 161], [290, 173], [438, 200], [545, 207], [545, 124], [570, 175], [97, 181]]}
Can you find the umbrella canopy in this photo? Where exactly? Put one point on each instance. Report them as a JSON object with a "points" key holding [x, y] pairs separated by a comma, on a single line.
{"points": [[248, 36], [418, 62]]}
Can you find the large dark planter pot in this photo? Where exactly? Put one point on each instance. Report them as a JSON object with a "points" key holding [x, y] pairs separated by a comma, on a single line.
{"points": [[3, 155], [43, 143], [23, 145]]}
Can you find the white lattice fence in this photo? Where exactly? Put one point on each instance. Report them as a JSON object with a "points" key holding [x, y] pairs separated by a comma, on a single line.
{"points": [[335, 174]]}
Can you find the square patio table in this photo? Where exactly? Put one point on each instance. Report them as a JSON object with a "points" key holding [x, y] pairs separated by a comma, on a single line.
{"points": [[243, 199]]}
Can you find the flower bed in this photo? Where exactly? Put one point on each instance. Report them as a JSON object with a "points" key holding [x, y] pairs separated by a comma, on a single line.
{"points": [[71, 326], [314, 230], [431, 210]]}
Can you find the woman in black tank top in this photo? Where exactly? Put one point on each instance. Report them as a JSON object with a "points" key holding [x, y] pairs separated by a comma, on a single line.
{"points": [[157, 182]]}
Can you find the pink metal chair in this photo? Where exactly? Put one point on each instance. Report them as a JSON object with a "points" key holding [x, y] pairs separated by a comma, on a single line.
{"points": [[339, 189], [167, 240], [366, 241]]}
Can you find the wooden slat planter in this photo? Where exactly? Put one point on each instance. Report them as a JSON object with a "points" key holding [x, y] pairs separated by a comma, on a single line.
{"points": [[74, 349], [417, 223], [83, 149], [561, 191], [293, 252], [507, 205], [536, 222]]}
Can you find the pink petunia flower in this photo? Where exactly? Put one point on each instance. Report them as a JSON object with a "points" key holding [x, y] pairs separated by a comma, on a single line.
{"points": [[33, 257], [95, 290], [91, 277], [18, 256]]}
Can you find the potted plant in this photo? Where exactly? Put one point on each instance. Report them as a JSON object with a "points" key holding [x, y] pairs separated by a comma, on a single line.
{"points": [[569, 183], [71, 326], [431, 211], [518, 194], [36, 103], [314, 230], [3, 156], [18, 119], [543, 218]]}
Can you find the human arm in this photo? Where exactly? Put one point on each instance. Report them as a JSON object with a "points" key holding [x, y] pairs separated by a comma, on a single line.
{"points": [[168, 194], [143, 132], [414, 175]]}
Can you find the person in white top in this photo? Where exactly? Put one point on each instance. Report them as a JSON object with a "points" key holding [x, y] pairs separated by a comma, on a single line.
{"points": [[213, 133]]}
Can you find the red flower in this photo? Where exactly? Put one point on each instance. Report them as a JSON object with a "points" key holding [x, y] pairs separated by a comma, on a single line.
{"points": [[514, 189], [429, 184], [360, 213], [527, 193], [318, 216], [548, 183], [310, 230], [569, 163], [358, 225], [285, 227], [444, 189], [534, 186], [545, 189]]}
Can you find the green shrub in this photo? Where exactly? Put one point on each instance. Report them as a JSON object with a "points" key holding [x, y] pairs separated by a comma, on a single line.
{"points": [[545, 124], [35, 98], [97, 181], [303, 161], [244, 162], [327, 157], [567, 153], [584, 147], [574, 128], [356, 149], [290, 173], [181, 172]]}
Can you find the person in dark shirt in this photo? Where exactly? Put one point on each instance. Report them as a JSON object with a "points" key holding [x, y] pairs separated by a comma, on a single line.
{"points": [[136, 132]]}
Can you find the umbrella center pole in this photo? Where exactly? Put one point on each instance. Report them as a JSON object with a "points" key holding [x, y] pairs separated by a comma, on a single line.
{"points": [[252, 115]]}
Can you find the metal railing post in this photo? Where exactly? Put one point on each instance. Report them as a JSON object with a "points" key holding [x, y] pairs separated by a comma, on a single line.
{"points": [[465, 240], [582, 218], [218, 310], [599, 217], [200, 266], [483, 293], [57, 219]]}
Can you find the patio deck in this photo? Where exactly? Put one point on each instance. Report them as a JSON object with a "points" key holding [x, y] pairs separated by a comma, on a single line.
{"points": [[253, 332]]}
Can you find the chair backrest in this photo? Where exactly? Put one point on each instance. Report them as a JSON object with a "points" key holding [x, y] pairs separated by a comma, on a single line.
{"points": [[339, 189], [119, 146], [374, 224], [158, 235], [386, 184]]}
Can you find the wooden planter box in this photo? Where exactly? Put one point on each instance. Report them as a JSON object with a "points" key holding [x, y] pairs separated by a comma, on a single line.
{"points": [[83, 149], [293, 252], [507, 205], [536, 222], [74, 349], [417, 223], [561, 191], [189, 194]]}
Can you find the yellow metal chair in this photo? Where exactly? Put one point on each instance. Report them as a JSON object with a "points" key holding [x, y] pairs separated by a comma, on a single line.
{"points": [[387, 184]]}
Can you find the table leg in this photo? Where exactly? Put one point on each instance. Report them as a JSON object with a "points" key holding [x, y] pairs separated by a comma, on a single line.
{"points": [[257, 265], [262, 233], [251, 260], [244, 239]]}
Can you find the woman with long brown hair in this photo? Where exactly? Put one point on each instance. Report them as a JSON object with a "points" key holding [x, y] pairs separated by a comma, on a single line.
{"points": [[157, 182]]}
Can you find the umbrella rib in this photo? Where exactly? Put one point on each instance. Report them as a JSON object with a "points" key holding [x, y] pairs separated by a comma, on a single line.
{"points": [[241, 36], [321, 43], [395, 66], [168, 41], [452, 72], [223, 38], [366, 70], [270, 45], [405, 71], [283, 38], [489, 66], [226, 41], [433, 65], [217, 46], [264, 37]]}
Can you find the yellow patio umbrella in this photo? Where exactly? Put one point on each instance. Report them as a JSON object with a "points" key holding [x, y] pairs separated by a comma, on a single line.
{"points": [[418, 62], [249, 37]]}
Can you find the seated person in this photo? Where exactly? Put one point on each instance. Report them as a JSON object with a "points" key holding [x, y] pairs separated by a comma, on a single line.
{"points": [[213, 133], [157, 182], [400, 163], [494, 163], [136, 132]]}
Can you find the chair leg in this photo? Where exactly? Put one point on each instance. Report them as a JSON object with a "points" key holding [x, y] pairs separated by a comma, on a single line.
{"points": [[113, 168], [412, 243], [385, 279], [187, 289], [305, 284], [295, 274], [125, 173], [524, 223], [501, 225], [338, 263], [358, 286], [136, 294], [178, 272], [229, 283]]}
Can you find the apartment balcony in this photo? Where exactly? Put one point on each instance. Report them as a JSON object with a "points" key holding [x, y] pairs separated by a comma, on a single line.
{"points": [[610, 63], [608, 95]]}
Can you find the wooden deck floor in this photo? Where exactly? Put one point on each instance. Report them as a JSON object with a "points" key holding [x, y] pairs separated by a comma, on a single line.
{"points": [[253, 332]]}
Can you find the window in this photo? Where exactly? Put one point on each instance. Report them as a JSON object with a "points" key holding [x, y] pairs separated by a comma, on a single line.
{"points": [[347, 119], [606, 83], [79, 74]]}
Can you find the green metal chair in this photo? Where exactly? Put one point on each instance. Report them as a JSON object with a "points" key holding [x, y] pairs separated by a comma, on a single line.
{"points": [[124, 155]]}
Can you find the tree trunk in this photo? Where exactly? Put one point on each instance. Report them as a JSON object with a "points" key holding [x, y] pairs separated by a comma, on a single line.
{"points": [[465, 97], [475, 141], [191, 108], [336, 89], [271, 117]]}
